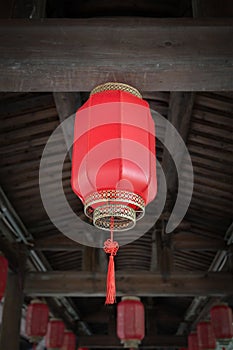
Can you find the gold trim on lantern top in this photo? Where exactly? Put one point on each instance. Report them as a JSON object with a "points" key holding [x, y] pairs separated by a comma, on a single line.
{"points": [[124, 207], [116, 86]]}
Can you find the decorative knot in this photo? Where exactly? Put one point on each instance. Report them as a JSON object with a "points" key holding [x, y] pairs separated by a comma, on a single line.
{"points": [[111, 247]]}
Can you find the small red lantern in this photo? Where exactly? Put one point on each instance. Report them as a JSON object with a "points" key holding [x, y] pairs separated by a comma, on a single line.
{"points": [[130, 321], [69, 342], [205, 335], [37, 318], [113, 162], [55, 334], [221, 319], [3, 275], [193, 342]]}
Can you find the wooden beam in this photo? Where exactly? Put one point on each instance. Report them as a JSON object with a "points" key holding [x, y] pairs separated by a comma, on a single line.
{"points": [[10, 328], [67, 104], [212, 8], [179, 115], [151, 342], [80, 284], [151, 54], [12, 307]]}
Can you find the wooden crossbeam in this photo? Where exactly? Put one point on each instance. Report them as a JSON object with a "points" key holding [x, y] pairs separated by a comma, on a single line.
{"points": [[80, 284], [150, 342], [151, 54]]}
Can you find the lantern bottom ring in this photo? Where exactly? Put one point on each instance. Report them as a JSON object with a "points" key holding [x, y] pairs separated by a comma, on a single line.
{"points": [[35, 339], [124, 217], [224, 342], [123, 206], [131, 343]]}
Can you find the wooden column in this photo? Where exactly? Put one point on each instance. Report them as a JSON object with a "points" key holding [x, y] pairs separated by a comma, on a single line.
{"points": [[10, 329]]}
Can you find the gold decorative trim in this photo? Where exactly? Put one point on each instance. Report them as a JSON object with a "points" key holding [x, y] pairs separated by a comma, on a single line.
{"points": [[116, 86], [125, 207], [124, 217], [35, 339]]}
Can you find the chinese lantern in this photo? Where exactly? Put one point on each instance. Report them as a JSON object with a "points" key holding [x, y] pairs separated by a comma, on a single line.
{"points": [[3, 275], [193, 342], [55, 334], [205, 335], [113, 162], [130, 321], [69, 342], [37, 318], [221, 319]]}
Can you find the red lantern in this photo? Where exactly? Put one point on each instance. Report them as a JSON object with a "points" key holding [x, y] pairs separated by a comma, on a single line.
{"points": [[55, 334], [37, 320], [113, 163], [205, 334], [69, 342], [193, 342], [3, 275], [221, 319], [130, 321]]}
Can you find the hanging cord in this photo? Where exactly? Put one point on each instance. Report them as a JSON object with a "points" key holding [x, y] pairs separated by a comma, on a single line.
{"points": [[111, 247]]}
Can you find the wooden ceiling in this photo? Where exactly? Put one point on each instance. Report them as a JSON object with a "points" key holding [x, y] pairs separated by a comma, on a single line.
{"points": [[179, 275]]}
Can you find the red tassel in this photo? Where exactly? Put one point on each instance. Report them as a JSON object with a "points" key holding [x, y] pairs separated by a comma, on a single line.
{"points": [[111, 248], [111, 285]]}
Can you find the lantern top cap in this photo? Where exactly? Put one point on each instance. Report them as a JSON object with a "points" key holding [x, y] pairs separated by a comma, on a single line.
{"points": [[130, 298], [116, 86]]}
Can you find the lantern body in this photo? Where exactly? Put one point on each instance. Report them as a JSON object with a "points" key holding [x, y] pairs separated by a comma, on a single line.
{"points": [[3, 275], [37, 317], [221, 319], [69, 342], [193, 342], [55, 334], [206, 338], [130, 321], [113, 162]]}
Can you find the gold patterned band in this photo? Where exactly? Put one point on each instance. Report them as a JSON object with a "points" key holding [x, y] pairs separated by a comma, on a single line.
{"points": [[125, 207], [116, 86]]}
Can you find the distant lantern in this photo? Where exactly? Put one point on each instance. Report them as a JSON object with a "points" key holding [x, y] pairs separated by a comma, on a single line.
{"points": [[55, 334], [69, 342], [205, 335], [221, 319], [3, 275], [193, 341], [113, 162], [130, 321], [37, 318]]}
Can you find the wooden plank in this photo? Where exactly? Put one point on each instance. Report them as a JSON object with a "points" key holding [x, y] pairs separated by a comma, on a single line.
{"points": [[180, 241], [188, 241], [71, 283], [150, 342], [151, 54]]}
